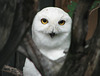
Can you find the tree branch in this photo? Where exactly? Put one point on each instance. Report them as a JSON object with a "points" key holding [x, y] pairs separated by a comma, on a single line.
{"points": [[12, 70]]}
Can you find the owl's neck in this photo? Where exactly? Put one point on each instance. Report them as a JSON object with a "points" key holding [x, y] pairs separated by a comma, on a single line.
{"points": [[53, 54]]}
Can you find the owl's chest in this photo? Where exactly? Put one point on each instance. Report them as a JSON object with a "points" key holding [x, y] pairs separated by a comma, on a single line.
{"points": [[44, 41]]}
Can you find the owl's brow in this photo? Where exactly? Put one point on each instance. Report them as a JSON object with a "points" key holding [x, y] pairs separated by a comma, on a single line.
{"points": [[63, 17]]}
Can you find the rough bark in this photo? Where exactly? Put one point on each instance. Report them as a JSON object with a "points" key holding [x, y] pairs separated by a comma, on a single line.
{"points": [[12, 70], [15, 18], [94, 52], [82, 59]]}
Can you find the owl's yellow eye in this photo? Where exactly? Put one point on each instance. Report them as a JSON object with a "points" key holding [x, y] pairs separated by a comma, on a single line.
{"points": [[62, 22], [44, 21]]}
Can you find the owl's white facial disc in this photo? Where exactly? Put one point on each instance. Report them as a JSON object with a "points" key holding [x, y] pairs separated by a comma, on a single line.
{"points": [[51, 32]]}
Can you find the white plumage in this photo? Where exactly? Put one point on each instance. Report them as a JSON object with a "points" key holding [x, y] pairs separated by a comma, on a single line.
{"points": [[51, 31], [29, 69]]}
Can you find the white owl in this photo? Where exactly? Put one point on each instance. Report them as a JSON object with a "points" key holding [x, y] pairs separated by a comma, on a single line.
{"points": [[51, 31]]}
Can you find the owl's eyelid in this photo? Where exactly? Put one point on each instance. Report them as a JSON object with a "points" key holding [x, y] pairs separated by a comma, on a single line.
{"points": [[44, 18], [62, 20]]}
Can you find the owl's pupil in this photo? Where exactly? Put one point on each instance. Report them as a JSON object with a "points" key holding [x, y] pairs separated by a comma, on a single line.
{"points": [[44, 20], [61, 21]]}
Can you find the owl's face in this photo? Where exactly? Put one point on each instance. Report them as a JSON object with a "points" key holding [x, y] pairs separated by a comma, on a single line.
{"points": [[52, 21]]}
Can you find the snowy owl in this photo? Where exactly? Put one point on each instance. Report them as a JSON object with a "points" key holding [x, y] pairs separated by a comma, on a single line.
{"points": [[51, 30]]}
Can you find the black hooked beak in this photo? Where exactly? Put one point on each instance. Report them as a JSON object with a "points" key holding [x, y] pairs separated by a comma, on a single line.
{"points": [[52, 34]]}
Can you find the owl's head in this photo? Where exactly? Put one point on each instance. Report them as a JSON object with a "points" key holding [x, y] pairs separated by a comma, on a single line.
{"points": [[52, 21]]}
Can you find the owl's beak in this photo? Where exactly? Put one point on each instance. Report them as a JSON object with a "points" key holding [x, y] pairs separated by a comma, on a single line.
{"points": [[52, 34]]}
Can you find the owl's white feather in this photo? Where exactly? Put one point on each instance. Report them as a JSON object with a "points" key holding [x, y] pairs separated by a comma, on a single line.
{"points": [[51, 47], [29, 69]]}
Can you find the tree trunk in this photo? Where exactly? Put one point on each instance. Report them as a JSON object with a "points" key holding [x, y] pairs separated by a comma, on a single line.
{"points": [[15, 19], [83, 59]]}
